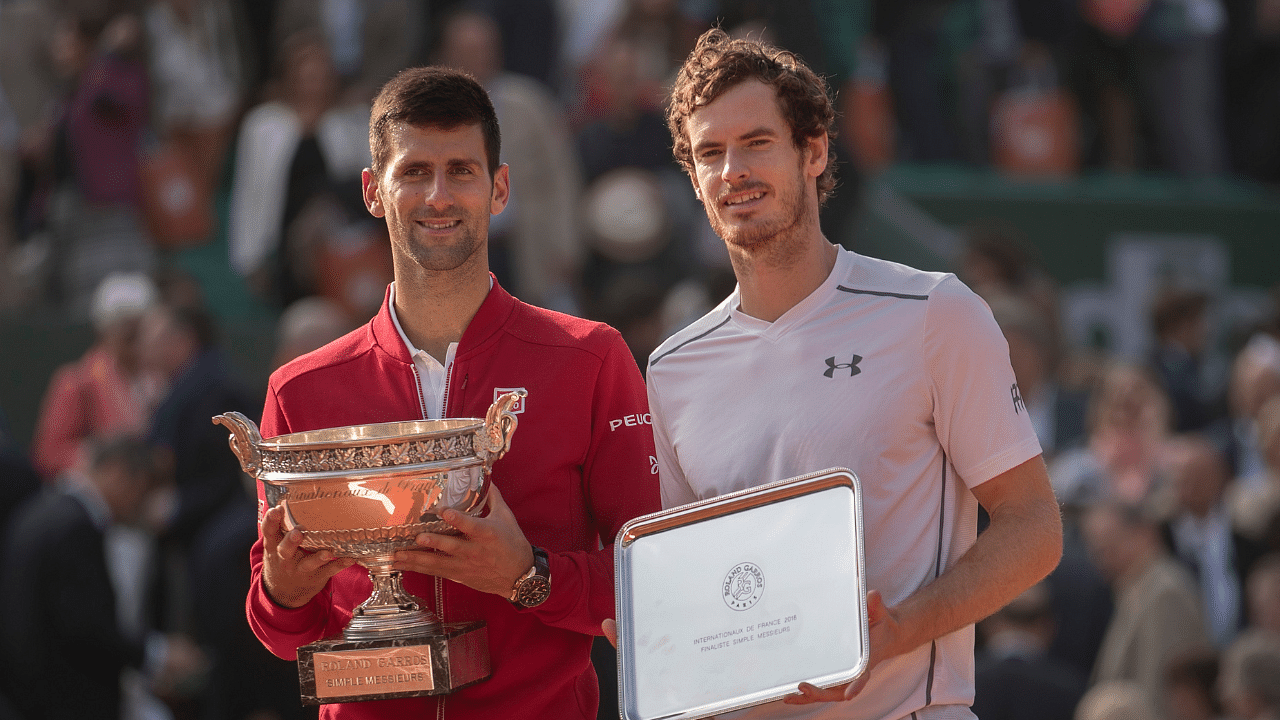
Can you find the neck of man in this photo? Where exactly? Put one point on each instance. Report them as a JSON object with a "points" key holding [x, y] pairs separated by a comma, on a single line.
{"points": [[775, 275], [435, 307]]}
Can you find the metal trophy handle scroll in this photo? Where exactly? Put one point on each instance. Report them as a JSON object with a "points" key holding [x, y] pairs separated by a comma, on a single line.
{"points": [[364, 492]]}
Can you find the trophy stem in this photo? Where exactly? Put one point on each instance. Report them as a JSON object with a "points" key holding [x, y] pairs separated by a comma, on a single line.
{"points": [[390, 611]]}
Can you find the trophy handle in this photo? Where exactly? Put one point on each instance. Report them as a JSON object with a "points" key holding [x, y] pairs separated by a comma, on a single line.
{"points": [[494, 439], [244, 441]]}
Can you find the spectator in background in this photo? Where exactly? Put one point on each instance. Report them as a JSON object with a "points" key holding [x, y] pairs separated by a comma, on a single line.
{"points": [[1191, 686], [1158, 611], [1263, 588], [1178, 59], [1200, 534], [179, 345], [1015, 677], [1057, 412], [18, 479], [1255, 378], [1179, 319], [308, 324], [368, 41], [1116, 700], [63, 649], [1255, 503], [534, 245], [301, 146], [1250, 680], [104, 392], [95, 217], [197, 79], [1128, 422], [629, 130]]}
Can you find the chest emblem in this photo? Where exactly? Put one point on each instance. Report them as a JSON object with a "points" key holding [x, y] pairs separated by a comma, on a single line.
{"points": [[851, 366], [519, 406]]}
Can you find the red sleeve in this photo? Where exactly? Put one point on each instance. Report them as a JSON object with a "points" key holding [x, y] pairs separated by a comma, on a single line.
{"points": [[620, 480], [61, 425], [282, 630]]}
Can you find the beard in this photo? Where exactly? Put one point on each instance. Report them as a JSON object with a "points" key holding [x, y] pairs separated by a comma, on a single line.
{"points": [[441, 255], [771, 237]]}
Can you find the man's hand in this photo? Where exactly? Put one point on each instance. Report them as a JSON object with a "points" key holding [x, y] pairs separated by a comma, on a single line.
{"points": [[490, 554], [610, 629], [291, 575], [884, 632]]}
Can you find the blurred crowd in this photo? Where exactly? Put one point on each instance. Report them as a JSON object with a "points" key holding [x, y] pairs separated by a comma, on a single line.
{"points": [[132, 131]]}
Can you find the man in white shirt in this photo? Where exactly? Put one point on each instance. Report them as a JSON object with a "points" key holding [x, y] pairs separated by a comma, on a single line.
{"points": [[824, 358]]}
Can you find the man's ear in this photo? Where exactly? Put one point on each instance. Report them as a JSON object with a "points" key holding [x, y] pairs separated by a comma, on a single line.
{"points": [[815, 149], [369, 186], [501, 189]]}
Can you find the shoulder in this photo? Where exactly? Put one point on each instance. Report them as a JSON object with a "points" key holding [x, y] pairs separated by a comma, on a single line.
{"points": [[553, 330], [873, 276], [703, 327], [337, 356]]}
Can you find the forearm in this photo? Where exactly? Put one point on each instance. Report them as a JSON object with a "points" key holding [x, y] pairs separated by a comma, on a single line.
{"points": [[581, 591], [1019, 548]]}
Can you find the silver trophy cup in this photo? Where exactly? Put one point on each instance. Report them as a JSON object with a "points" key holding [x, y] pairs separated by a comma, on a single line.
{"points": [[366, 491]]}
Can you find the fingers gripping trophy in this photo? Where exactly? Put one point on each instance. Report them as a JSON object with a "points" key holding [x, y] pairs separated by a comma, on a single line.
{"points": [[365, 492]]}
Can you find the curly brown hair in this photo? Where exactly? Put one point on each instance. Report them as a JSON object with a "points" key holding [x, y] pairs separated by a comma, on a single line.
{"points": [[718, 63]]}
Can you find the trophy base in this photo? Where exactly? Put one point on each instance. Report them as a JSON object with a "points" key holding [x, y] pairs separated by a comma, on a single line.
{"points": [[336, 670]]}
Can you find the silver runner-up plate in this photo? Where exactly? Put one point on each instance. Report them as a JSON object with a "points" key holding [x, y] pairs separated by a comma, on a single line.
{"points": [[734, 601]]}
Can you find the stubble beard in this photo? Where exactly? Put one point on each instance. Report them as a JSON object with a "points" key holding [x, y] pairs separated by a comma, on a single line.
{"points": [[777, 243], [434, 256]]}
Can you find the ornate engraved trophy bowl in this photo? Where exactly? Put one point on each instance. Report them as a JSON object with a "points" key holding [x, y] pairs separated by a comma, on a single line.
{"points": [[366, 491]]}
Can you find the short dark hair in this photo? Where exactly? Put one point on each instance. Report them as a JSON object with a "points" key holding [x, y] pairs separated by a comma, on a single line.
{"points": [[131, 452], [1173, 306], [719, 63], [434, 97]]}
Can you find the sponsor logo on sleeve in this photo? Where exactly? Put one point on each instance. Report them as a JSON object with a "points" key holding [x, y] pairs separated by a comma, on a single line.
{"points": [[519, 406], [1019, 405], [631, 421]]}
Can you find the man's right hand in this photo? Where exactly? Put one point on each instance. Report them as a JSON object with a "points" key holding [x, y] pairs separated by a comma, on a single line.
{"points": [[290, 574]]}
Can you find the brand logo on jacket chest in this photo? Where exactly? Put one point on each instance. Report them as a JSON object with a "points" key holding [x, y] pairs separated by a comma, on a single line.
{"points": [[519, 406]]}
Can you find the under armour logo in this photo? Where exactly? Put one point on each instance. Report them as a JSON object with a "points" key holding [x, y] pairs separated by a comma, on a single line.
{"points": [[1019, 405], [852, 365]]}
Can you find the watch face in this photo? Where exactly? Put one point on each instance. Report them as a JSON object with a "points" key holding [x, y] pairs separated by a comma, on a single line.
{"points": [[533, 591]]}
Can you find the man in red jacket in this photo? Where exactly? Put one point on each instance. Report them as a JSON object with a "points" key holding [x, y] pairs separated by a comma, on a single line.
{"points": [[447, 342]]}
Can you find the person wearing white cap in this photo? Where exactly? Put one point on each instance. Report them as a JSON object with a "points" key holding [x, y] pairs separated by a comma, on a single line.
{"points": [[103, 392]]}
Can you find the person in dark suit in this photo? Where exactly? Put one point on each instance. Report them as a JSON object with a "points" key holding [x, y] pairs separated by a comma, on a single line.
{"points": [[1015, 677], [63, 650]]}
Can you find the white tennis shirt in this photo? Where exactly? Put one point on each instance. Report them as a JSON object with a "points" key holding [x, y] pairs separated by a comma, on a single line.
{"points": [[901, 376]]}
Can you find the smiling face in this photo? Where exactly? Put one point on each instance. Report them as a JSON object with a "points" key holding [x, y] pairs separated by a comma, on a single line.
{"points": [[756, 185], [436, 195]]}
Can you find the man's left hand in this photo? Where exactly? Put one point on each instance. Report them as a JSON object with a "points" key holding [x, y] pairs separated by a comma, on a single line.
{"points": [[883, 628], [490, 554]]}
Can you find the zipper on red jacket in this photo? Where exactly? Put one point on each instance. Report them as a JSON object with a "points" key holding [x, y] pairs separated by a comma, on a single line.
{"points": [[417, 384], [448, 381]]}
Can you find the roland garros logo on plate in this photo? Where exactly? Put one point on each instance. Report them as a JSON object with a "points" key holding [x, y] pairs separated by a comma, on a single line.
{"points": [[743, 586]]}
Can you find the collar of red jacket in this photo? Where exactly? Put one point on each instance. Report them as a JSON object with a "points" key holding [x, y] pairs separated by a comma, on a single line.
{"points": [[489, 319]]}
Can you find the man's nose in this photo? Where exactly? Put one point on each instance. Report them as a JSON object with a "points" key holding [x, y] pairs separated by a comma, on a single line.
{"points": [[735, 166], [437, 192]]}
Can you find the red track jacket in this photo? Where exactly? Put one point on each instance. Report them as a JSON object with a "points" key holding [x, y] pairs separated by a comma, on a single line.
{"points": [[580, 466]]}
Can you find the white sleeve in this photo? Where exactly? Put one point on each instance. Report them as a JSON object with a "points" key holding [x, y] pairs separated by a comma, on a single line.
{"points": [[675, 488], [269, 136], [979, 415]]}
